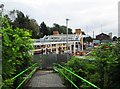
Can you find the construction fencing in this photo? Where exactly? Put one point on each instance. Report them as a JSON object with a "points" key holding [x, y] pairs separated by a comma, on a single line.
{"points": [[46, 61]]}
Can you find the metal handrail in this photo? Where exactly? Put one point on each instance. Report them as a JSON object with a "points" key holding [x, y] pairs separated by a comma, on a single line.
{"points": [[33, 66], [25, 79], [84, 80]]}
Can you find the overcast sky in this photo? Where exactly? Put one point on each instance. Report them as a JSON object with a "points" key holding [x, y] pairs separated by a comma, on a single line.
{"points": [[89, 15]]}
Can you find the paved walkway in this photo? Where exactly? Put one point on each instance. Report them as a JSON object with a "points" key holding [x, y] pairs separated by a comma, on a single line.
{"points": [[46, 79]]}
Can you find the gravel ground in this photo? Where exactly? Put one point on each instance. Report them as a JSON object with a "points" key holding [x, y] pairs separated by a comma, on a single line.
{"points": [[44, 78]]}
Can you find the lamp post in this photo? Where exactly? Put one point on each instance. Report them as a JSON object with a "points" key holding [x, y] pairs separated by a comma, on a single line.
{"points": [[67, 31], [1, 6]]}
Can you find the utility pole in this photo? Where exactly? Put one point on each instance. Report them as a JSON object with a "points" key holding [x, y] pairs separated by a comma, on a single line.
{"points": [[67, 35], [93, 39], [101, 28], [67, 31], [87, 30]]}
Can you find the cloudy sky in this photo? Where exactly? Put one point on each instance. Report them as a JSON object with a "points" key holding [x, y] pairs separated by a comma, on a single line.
{"points": [[89, 15]]}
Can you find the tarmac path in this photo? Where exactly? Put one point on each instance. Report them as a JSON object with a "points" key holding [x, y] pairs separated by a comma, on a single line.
{"points": [[45, 79]]}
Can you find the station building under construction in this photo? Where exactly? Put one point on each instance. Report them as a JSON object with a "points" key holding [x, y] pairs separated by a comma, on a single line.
{"points": [[59, 43]]}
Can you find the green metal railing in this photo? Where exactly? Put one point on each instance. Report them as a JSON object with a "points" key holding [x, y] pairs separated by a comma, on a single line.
{"points": [[70, 80], [26, 77]]}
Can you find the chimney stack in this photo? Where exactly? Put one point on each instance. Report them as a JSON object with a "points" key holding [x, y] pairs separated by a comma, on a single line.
{"points": [[55, 33], [78, 31]]}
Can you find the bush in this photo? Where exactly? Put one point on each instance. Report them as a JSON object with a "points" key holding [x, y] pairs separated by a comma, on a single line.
{"points": [[16, 46], [103, 71], [81, 67]]}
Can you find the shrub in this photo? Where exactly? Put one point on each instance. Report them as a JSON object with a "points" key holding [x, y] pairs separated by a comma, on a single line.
{"points": [[16, 46], [103, 71]]}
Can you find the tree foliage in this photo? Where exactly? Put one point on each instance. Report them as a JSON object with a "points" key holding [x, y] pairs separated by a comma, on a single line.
{"points": [[114, 38], [16, 47], [60, 29], [44, 29], [18, 19], [103, 71], [88, 39]]}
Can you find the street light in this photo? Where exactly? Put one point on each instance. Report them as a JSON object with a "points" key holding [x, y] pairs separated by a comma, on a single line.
{"points": [[67, 30], [2, 6]]}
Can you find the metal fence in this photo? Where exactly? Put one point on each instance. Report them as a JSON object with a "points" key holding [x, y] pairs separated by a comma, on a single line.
{"points": [[46, 61]]}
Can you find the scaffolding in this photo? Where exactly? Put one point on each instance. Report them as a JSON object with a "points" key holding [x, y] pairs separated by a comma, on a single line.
{"points": [[58, 44]]}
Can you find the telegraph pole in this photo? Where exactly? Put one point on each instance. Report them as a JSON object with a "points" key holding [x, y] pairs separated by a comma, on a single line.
{"points": [[101, 28], [67, 35], [67, 31], [93, 39]]}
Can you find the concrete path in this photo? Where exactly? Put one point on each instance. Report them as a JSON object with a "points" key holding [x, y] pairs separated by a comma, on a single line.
{"points": [[46, 80]]}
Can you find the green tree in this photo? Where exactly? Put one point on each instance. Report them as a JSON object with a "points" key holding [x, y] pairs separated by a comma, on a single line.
{"points": [[43, 29], [103, 71], [115, 70], [88, 39], [115, 38], [21, 20], [17, 19], [106, 62], [16, 48], [34, 27], [60, 29]]}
